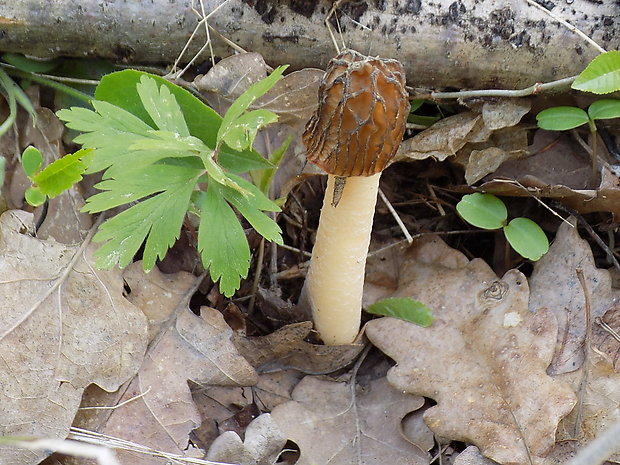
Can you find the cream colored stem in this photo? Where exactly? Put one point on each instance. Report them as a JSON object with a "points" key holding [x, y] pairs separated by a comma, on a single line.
{"points": [[335, 281]]}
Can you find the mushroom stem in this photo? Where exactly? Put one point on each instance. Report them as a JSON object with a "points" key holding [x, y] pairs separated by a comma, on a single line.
{"points": [[335, 281]]}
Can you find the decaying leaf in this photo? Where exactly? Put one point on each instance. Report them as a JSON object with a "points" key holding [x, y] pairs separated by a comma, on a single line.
{"points": [[598, 389], [481, 357], [185, 347], [606, 334], [472, 456], [262, 444], [555, 287], [332, 424], [286, 348], [442, 140], [63, 326]]}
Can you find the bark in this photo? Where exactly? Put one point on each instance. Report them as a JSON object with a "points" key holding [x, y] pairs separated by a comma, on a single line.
{"points": [[443, 43]]}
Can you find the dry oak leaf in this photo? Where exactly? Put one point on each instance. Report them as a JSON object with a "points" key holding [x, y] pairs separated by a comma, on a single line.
{"points": [[554, 285], [332, 425], [598, 386], [262, 445], [63, 326], [185, 347], [196, 348], [480, 359]]}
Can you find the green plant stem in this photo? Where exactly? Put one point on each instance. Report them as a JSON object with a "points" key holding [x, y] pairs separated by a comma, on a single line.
{"points": [[594, 147], [8, 122], [51, 83]]}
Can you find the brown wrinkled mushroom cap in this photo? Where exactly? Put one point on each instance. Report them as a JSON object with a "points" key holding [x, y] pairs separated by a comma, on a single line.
{"points": [[360, 121]]}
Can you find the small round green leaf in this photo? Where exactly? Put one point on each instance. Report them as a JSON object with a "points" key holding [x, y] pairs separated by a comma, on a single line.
{"points": [[483, 210], [605, 109], [561, 118], [601, 76], [31, 160], [34, 196], [527, 238], [403, 308]]}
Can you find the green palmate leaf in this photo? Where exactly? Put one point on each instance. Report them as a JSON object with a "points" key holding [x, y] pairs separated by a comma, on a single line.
{"points": [[264, 178], [34, 196], [135, 183], [483, 210], [28, 64], [161, 106], [604, 109], [63, 173], [222, 242], [243, 102], [601, 76], [241, 135], [403, 308], [561, 118], [32, 160], [252, 208], [203, 122], [527, 238], [157, 219]]}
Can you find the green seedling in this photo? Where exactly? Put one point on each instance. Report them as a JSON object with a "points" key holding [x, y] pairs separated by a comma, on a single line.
{"points": [[403, 308], [565, 117], [486, 211], [158, 144], [56, 177]]}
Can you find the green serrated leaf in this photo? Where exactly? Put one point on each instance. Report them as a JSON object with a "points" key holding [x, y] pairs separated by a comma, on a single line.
{"points": [[34, 196], [138, 182], [222, 242], [243, 102], [403, 308], [483, 210], [601, 76], [157, 219], [32, 160], [252, 209], [264, 178], [162, 107], [561, 118], [241, 135], [604, 109], [63, 173], [28, 64], [202, 121], [527, 238]]}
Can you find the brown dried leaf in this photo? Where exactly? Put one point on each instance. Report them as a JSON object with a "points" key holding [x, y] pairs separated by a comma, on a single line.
{"points": [[331, 425], [605, 335], [185, 347], [286, 348], [555, 286], [480, 358], [262, 444], [504, 112], [599, 393], [443, 139], [63, 326]]}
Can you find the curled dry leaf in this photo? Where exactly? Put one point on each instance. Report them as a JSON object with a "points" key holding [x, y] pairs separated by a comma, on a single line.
{"points": [[63, 326], [480, 358], [331, 425], [262, 444], [555, 287], [286, 348]]}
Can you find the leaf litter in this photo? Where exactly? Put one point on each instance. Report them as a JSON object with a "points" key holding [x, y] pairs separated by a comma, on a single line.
{"points": [[492, 340]]}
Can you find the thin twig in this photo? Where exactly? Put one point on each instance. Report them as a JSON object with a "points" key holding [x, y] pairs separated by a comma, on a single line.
{"points": [[534, 89], [114, 407], [396, 217], [566, 24]]}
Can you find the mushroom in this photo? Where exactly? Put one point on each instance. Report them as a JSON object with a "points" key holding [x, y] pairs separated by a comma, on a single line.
{"points": [[355, 132]]}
